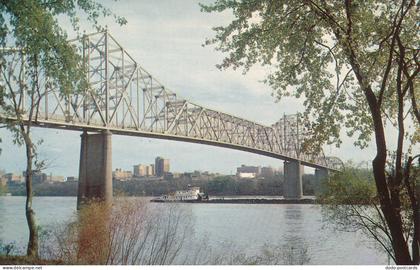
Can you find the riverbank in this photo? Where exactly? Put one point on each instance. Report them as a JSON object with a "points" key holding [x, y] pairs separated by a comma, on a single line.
{"points": [[25, 260]]}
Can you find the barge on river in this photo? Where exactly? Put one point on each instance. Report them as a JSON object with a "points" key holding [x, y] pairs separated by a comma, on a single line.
{"points": [[192, 194]]}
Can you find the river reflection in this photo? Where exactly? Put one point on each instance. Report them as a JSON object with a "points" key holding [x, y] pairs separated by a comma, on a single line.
{"points": [[247, 228]]}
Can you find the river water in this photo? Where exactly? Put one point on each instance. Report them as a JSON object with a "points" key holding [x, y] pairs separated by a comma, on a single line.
{"points": [[247, 227]]}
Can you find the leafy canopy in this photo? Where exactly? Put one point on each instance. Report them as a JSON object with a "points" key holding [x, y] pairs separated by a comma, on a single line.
{"points": [[350, 202], [306, 44], [31, 32], [33, 26]]}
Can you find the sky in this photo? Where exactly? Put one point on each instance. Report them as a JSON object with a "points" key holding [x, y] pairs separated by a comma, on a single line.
{"points": [[165, 38]]}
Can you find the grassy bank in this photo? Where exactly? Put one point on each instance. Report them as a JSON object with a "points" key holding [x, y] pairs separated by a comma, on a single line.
{"points": [[21, 260]]}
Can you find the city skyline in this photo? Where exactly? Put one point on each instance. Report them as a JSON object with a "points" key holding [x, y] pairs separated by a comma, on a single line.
{"points": [[133, 168], [169, 46]]}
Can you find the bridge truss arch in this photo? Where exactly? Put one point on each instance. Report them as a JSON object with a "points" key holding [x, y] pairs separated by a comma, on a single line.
{"points": [[125, 99]]}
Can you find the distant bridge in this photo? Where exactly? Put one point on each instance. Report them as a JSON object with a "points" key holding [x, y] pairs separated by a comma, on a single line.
{"points": [[124, 99]]}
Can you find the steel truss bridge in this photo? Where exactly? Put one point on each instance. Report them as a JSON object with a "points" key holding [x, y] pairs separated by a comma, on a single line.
{"points": [[125, 99]]}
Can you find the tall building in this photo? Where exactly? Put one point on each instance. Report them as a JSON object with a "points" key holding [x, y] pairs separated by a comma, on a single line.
{"points": [[139, 170], [144, 170], [161, 166], [150, 170]]}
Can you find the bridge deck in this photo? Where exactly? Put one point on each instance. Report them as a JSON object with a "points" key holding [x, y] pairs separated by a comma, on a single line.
{"points": [[125, 99]]}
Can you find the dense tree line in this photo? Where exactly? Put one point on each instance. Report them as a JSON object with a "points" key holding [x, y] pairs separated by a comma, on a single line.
{"points": [[218, 186], [46, 189]]}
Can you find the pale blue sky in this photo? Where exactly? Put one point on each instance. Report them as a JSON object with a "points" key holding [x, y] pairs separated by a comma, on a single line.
{"points": [[165, 38]]}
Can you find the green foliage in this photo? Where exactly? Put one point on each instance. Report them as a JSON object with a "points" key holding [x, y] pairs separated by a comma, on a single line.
{"points": [[221, 185], [17, 189], [351, 186], [355, 65], [46, 189], [56, 189], [32, 27], [26, 260], [218, 186], [35, 56], [3, 189], [350, 203], [306, 45]]}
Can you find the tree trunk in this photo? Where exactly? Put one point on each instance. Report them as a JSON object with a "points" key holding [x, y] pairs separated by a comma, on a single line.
{"points": [[32, 250], [413, 194], [392, 215]]}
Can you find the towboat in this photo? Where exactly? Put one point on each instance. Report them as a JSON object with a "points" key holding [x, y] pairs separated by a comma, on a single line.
{"points": [[192, 194]]}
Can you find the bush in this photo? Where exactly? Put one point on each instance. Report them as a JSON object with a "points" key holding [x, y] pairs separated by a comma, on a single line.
{"points": [[131, 232], [134, 232]]}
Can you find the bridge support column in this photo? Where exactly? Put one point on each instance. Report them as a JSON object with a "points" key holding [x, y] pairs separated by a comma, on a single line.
{"points": [[321, 174], [292, 185], [95, 168]]}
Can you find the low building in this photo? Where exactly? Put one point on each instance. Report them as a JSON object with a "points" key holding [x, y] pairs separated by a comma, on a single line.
{"points": [[39, 177], [247, 175], [121, 175], [248, 171], [72, 179], [14, 178], [55, 178]]}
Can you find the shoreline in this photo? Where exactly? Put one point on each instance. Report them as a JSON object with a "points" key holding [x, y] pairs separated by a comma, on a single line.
{"points": [[211, 201], [246, 201]]}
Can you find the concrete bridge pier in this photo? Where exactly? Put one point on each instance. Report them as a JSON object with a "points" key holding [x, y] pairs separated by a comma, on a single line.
{"points": [[292, 185], [95, 168], [321, 174]]}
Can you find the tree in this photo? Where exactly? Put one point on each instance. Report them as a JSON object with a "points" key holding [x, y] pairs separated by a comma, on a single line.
{"points": [[133, 233], [350, 203], [35, 54], [222, 185], [355, 63], [3, 189]]}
